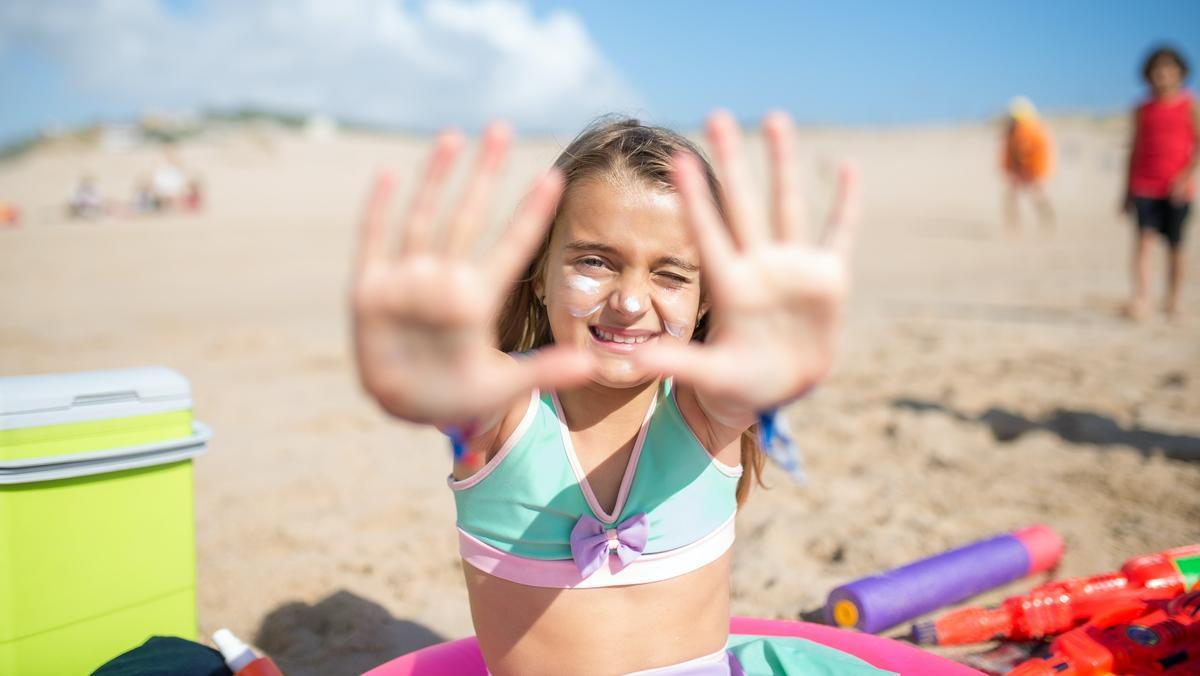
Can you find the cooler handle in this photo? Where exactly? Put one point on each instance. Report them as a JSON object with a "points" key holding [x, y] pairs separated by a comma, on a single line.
{"points": [[105, 398]]}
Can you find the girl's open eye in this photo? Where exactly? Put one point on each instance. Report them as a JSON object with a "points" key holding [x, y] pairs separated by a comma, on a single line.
{"points": [[591, 263]]}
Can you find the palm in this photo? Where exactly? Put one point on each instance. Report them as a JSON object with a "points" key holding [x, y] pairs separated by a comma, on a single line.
{"points": [[780, 317], [776, 301], [423, 309], [420, 324]]}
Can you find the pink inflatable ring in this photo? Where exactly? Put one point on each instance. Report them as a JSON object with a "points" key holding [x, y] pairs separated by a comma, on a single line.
{"points": [[463, 657]]}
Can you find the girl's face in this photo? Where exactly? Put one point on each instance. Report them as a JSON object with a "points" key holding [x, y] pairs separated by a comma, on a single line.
{"points": [[621, 272], [1165, 77]]}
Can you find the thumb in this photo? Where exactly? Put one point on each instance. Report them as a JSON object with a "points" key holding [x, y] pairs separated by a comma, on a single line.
{"points": [[687, 363], [554, 368]]}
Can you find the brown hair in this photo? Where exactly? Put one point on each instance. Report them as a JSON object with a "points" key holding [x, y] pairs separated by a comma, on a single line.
{"points": [[618, 149], [1162, 53]]}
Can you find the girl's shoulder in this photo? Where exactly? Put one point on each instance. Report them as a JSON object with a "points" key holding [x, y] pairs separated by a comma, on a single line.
{"points": [[720, 442], [1183, 98], [499, 440]]}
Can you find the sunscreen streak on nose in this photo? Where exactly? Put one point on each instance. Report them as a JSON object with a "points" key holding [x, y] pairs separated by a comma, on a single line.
{"points": [[631, 304]]}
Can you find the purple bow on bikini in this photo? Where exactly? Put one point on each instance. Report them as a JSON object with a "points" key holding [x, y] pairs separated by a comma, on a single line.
{"points": [[592, 542]]}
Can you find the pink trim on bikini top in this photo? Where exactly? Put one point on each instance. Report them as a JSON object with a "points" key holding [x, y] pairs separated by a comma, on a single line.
{"points": [[581, 477], [598, 563], [564, 574]]}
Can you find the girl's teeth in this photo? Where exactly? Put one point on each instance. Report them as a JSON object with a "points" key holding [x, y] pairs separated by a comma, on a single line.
{"points": [[613, 338]]}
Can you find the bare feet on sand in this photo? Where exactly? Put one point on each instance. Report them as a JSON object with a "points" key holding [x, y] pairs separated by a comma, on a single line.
{"points": [[1136, 309]]}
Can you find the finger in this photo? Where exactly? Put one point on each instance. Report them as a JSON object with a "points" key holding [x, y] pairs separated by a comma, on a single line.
{"points": [[745, 221], [843, 218], [419, 224], [785, 177], [528, 227], [555, 368], [686, 363], [372, 241], [464, 225], [712, 237]]}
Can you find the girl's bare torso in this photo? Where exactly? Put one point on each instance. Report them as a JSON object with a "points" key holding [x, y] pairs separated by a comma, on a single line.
{"points": [[610, 630]]}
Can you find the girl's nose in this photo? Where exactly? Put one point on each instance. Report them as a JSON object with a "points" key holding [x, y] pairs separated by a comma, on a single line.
{"points": [[632, 304], [630, 299]]}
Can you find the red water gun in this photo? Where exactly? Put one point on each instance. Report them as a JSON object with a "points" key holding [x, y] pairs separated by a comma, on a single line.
{"points": [[1059, 606], [1136, 639]]}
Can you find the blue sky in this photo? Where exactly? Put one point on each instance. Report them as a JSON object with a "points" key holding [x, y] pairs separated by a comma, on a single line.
{"points": [[885, 62], [555, 64]]}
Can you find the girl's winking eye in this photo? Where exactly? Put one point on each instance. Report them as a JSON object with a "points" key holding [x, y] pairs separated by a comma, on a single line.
{"points": [[673, 279]]}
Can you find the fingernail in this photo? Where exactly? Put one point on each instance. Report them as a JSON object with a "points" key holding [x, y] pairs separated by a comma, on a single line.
{"points": [[449, 137], [499, 130], [775, 120]]}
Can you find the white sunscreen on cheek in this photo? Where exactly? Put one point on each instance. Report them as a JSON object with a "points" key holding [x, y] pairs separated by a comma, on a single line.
{"points": [[584, 284], [670, 305], [585, 299], [675, 329]]}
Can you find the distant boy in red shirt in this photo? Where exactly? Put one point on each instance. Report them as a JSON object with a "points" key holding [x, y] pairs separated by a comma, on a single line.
{"points": [[1162, 162]]}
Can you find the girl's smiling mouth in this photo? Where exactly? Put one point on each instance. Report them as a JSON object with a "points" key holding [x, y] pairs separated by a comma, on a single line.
{"points": [[621, 340]]}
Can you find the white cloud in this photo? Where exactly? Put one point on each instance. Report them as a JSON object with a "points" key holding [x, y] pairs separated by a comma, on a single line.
{"points": [[385, 61]]}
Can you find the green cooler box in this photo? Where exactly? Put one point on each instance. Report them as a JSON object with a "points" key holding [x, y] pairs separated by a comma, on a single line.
{"points": [[97, 516]]}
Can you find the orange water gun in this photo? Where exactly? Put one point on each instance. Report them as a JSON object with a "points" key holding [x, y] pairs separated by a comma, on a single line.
{"points": [[1059, 606], [1136, 639]]}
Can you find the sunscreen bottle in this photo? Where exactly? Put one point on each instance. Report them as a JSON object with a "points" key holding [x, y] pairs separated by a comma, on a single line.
{"points": [[241, 659]]}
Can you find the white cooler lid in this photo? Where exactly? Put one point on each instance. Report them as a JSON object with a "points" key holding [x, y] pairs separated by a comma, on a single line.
{"points": [[104, 462], [58, 398]]}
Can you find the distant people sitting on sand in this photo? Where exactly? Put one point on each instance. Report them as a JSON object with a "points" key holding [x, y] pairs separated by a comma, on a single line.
{"points": [[169, 182], [1028, 160], [144, 199], [85, 201], [1162, 164], [193, 199], [168, 188]]}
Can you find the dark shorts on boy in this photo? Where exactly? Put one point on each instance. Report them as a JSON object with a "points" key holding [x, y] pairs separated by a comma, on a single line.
{"points": [[1163, 216]]}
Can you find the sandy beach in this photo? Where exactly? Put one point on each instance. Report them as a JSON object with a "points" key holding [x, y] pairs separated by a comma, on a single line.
{"points": [[987, 381]]}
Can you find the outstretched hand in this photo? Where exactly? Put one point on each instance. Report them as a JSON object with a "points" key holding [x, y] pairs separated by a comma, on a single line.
{"points": [[776, 300], [423, 306]]}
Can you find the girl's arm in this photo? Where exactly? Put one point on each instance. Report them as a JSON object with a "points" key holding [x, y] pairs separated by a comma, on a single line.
{"points": [[776, 300], [1179, 187], [424, 300], [1127, 200]]}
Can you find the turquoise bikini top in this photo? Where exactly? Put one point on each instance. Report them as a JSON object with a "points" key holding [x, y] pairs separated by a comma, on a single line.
{"points": [[530, 516]]}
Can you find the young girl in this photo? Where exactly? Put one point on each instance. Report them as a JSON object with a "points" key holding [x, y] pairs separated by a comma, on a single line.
{"points": [[1162, 161], [603, 365]]}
